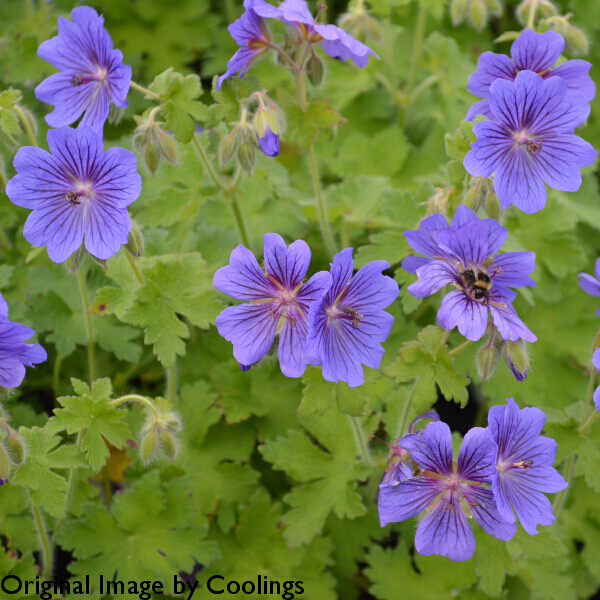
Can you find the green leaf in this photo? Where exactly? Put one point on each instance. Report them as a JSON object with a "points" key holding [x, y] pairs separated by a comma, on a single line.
{"points": [[90, 413], [492, 563], [256, 546], [306, 127], [328, 473], [459, 143], [47, 489], [427, 360], [170, 290], [16, 523], [150, 534], [588, 464], [178, 95], [544, 545], [319, 395], [23, 568]]}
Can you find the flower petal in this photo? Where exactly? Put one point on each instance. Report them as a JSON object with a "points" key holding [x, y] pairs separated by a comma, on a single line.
{"points": [[560, 112], [243, 278], [430, 448], [369, 290], [477, 456], [432, 277], [576, 73], [251, 328], [536, 52], [508, 323], [400, 501], [288, 267], [511, 269], [483, 506], [423, 240], [470, 316], [292, 343], [446, 531]]}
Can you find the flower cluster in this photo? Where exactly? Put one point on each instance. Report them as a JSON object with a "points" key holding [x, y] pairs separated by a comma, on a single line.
{"points": [[92, 73], [509, 455], [15, 355], [251, 33], [462, 254], [78, 193], [533, 112], [333, 320]]}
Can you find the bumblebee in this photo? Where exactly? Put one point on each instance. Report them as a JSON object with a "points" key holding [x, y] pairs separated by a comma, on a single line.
{"points": [[72, 198], [476, 282], [356, 317]]}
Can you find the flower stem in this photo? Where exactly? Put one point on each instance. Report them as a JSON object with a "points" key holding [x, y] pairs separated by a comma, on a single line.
{"points": [[71, 480], [561, 497], [172, 383], [406, 412], [135, 398], [26, 125], [360, 438], [321, 210], [56, 375], [143, 90], [134, 267], [88, 326], [46, 554], [532, 11], [416, 53], [229, 192], [460, 348], [107, 488]]}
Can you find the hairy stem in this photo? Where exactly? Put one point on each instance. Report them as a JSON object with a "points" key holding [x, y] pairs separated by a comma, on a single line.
{"points": [[172, 383], [143, 90], [532, 11], [460, 348], [135, 398], [360, 438], [26, 125], [43, 535], [589, 393], [417, 45], [56, 375], [88, 326], [134, 267], [71, 480], [561, 497], [321, 210]]}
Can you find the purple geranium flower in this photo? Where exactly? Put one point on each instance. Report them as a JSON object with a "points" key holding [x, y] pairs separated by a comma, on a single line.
{"points": [[524, 466], [590, 284], [269, 143], [78, 193], [279, 303], [348, 324], [462, 255], [251, 32], [92, 73], [535, 52], [596, 361], [450, 491], [14, 354], [530, 140]]}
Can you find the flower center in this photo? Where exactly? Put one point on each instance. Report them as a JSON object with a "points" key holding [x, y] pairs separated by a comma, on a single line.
{"points": [[531, 146], [346, 313], [524, 465]]}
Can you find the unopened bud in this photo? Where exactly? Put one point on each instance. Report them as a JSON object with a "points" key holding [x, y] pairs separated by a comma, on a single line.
{"points": [[458, 11], [486, 361], [577, 40], [115, 114], [149, 446], [470, 197], [246, 156], [139, 142], [228, 146], [3, 178], [316, 69], [171, 422], [135, 244], [4, 464], [151, 157], [16, 449], [74, 261], [169, 447], [516, 357], [478, 14], [493, 207], [494, 7], [168, 146], [546, 9]]}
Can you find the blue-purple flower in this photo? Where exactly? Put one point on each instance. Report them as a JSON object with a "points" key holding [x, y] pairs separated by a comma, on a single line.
{"points": [[78, 193], [530, 140], [462, 255], [531, 51], [14, 354], [269, 143], [450, 492], [524, 465], [252, 34], [590, 284], [348, 323], [596, 361], [92, 74], [279, 303]]}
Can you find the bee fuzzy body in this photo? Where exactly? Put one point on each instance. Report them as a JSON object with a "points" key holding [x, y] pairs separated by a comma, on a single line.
{"points": [[476, 283]]}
